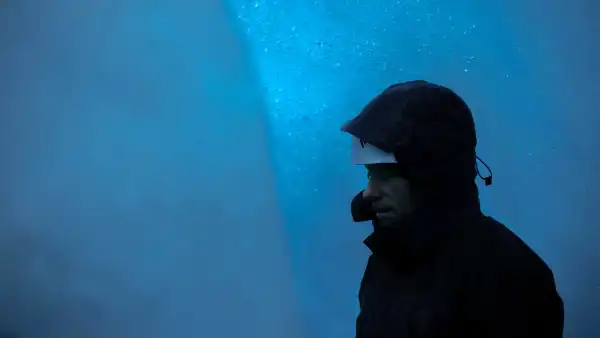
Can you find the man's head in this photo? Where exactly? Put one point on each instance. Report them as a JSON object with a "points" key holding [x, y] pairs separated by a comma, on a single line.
{"points": [[425, 134]]}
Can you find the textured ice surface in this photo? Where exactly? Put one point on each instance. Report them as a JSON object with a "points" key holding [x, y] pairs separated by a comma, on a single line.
{"points": [[140, 144]]}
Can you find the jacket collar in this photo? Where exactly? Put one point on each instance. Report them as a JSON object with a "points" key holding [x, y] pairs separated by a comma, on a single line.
{"points": [[420, 235]]}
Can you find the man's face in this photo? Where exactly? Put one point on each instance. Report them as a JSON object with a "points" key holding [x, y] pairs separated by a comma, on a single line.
{"points": [[389, 192]]}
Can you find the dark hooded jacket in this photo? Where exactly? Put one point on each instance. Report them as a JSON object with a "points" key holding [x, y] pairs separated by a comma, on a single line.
{"points": [[447, 271]]}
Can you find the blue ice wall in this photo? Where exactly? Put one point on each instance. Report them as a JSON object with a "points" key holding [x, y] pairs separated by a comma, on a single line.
{"points": [[175, 169], [137, 192]]}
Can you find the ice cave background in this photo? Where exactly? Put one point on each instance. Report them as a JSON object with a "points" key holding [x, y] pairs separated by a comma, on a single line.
{"points": [[175, 168]]}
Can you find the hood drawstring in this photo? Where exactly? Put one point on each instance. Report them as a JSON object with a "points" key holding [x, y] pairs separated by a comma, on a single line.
{"points": [[488, 179]]}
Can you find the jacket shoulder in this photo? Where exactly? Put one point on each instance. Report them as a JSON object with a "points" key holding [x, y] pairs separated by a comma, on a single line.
{"points": [[508, 255]]}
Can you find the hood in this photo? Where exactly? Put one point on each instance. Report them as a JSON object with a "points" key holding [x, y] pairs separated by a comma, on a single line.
{"points": [[430, 131]]}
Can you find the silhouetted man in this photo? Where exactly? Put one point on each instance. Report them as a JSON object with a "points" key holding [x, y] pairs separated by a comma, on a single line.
{"points": [[439, 268]]}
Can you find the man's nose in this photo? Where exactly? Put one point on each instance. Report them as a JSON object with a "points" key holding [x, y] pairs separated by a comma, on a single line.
{"points": [[369, 191]]}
